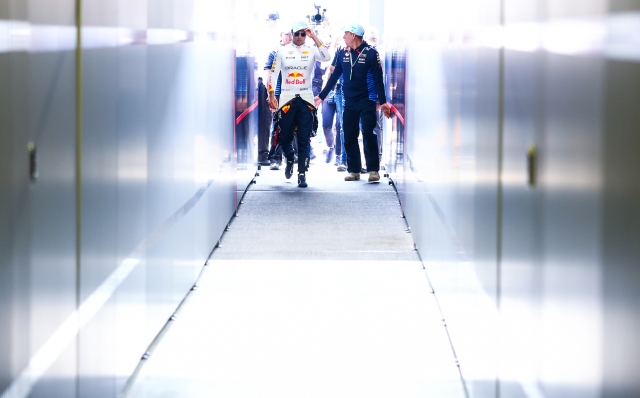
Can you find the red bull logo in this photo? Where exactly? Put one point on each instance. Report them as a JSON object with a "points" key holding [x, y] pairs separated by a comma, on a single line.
{"points": [[295, 78]]}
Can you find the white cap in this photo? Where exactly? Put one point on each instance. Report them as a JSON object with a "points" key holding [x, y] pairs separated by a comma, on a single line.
{"points": [[355, 28], [299, 26]]}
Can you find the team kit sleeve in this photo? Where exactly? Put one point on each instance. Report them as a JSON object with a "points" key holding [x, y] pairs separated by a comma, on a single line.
{"points": [[276, 67], [270, 58], [376, 70], [322, 54], [333, 79]]}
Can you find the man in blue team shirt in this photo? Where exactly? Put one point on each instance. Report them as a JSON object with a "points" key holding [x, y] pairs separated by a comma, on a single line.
{"points": [[363, 90]]}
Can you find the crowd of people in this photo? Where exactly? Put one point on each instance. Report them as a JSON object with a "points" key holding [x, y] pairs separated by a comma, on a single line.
{"points": [[312, 76]]}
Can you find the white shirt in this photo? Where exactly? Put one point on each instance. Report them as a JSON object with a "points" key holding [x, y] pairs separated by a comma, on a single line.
{"points": [[296, 64]]}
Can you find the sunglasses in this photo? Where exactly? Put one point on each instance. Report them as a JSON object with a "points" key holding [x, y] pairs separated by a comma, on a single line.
{"points": [[303, 34]]}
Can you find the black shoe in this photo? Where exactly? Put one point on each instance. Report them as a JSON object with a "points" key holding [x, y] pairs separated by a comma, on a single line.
{"points": [[363, 171], [264, 163], [302, 180], [288, 171]]}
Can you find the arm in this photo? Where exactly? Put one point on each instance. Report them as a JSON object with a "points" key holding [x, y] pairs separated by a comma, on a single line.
{"points": [[332, 53], [378, 79], [273, 81], [267, 66], [333, 79], [322, 54]]}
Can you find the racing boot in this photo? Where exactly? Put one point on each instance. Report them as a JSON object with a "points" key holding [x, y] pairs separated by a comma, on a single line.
{"points": [[288, 171], [302, 180]]}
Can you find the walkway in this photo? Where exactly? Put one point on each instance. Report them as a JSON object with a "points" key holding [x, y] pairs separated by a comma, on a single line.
{"points": [[314, 292]]}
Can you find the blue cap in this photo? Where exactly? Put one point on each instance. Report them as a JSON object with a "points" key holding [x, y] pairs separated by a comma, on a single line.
{"points": [[299, 26], [355, 28]]}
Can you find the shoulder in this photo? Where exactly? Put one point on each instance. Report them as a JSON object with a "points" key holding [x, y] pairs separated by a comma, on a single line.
{"points": [[371, 49], [373, 54]]}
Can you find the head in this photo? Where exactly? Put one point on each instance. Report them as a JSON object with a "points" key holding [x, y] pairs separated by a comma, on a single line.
{"points": [[285, 37], [372, 35], [274, 16], [353, 35], [299, 32]]}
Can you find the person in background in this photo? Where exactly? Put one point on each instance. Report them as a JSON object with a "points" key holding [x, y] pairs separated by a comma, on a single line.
{"points": [[318, 79], [341, 153], [275, 152], [329, 109]]}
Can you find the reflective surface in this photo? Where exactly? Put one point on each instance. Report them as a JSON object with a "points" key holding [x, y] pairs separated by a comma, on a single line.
{"points": [[514, 150], [37, 220], [157, 183], [512, 120]]}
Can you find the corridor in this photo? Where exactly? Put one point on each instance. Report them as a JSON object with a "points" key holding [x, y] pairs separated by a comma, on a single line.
{"points": [[147, 249]]}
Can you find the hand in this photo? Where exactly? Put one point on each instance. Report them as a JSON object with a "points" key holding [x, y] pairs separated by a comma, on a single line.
{"points": [[310, 33], [317, 101], [386, 109], [273, 103]]}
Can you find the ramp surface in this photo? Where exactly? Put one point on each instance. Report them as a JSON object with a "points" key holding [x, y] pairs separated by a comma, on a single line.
{"points": [[314, 292]]}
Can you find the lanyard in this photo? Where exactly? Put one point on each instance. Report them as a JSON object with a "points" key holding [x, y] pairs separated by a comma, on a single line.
{"points": [[353, 63]]}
